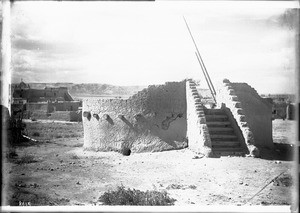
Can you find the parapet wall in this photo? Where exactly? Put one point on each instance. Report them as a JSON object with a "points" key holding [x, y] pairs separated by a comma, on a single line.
{"points": [[154, 119], [197, 131], [252, 113]]}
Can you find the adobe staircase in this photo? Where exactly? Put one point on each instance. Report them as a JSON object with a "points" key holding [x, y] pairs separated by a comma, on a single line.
{"points": [[224, 140]]}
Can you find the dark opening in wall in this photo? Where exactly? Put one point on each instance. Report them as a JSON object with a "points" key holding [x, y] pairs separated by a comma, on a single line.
{"points": [[126, 151], [94, 115], [108, 118], [87, 115]]}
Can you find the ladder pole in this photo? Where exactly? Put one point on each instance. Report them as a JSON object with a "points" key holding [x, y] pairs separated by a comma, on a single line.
{"points": [[213, 95], [207, 73], [200, 59]]}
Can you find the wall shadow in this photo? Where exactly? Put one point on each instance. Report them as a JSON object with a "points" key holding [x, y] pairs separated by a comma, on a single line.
{"points": [[282, 152]]}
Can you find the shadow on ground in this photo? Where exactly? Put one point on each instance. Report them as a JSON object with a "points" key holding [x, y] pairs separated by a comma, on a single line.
{"points": [[282, 152]]}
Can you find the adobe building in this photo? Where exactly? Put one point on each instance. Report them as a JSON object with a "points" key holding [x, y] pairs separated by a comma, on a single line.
{"points": [[173, 116], [54, 103], [24, 93]]}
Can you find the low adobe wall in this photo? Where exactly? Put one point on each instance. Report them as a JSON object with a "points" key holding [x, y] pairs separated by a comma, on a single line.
{"points": [[65, 106], [252, 113], [65, 116], [197, 131], [152, 120]]}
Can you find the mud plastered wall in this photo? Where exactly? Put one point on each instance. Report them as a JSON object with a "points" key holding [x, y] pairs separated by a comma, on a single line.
{"points": [[197, 131], [152, 120], [252, 114], [258, 113]]}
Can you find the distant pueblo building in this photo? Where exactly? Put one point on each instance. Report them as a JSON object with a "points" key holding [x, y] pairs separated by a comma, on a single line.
{"points": [[176, 115], [49, 103]]}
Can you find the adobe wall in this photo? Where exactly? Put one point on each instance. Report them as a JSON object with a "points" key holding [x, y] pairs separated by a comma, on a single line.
{"points": [[252, 113], [66, 111], [65, 116], [197, 131], [58, 92], [37, 95], [152, 120], [258, 113], [43, 107], [65, 105]]}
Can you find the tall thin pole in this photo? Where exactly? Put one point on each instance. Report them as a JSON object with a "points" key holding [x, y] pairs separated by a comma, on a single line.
{"points": [[205, 70], [208, 80], [211, 91]]}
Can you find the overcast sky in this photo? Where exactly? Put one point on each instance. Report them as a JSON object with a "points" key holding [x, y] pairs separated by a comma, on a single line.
{"points": [[142, 43]]}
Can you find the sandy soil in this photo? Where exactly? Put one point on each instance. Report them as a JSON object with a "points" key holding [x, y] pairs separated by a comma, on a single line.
{"points": [[63, 173]]}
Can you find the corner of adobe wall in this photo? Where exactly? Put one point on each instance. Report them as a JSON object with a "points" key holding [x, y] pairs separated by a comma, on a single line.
{"points": [[197, 131], [227, 95]]}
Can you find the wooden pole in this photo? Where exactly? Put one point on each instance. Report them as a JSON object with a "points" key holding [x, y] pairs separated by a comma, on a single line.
{"points": [[213, 95], [204, 70]]}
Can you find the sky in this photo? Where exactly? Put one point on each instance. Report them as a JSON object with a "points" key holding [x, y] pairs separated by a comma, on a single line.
{"points": [[143, 43]]}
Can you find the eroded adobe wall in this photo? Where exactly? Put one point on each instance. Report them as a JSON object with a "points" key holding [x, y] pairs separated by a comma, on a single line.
{"points": [[197, 131], [252, 113], [154, 119], [258, 113]]}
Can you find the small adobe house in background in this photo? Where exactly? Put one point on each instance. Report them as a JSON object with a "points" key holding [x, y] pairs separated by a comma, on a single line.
{"points": [[54, 103]]}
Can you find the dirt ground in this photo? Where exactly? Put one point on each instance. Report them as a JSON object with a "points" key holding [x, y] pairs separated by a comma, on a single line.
{"points": [[61, 172]]}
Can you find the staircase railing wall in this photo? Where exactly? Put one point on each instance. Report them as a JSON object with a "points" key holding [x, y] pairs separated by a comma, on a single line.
{"points": [[197, 131], [230, 96]]}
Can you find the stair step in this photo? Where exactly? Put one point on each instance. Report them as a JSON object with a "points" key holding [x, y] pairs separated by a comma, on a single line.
{"points": [[231, 149], [216, 117], [220, 130], [227, 144], [223, 139], [229, 153], [218, 124], [215, 112], [219, 137]]}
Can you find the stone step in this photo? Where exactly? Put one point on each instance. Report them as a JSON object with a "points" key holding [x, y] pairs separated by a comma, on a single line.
{"points": [[214, 112], [216, 117], [228, 149], [218, 124], [228, 153], [225, 144], [222, 137], [220, 130]]}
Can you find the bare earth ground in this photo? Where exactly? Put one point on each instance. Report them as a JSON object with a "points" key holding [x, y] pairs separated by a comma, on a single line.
{"points": [[63, 173]]}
